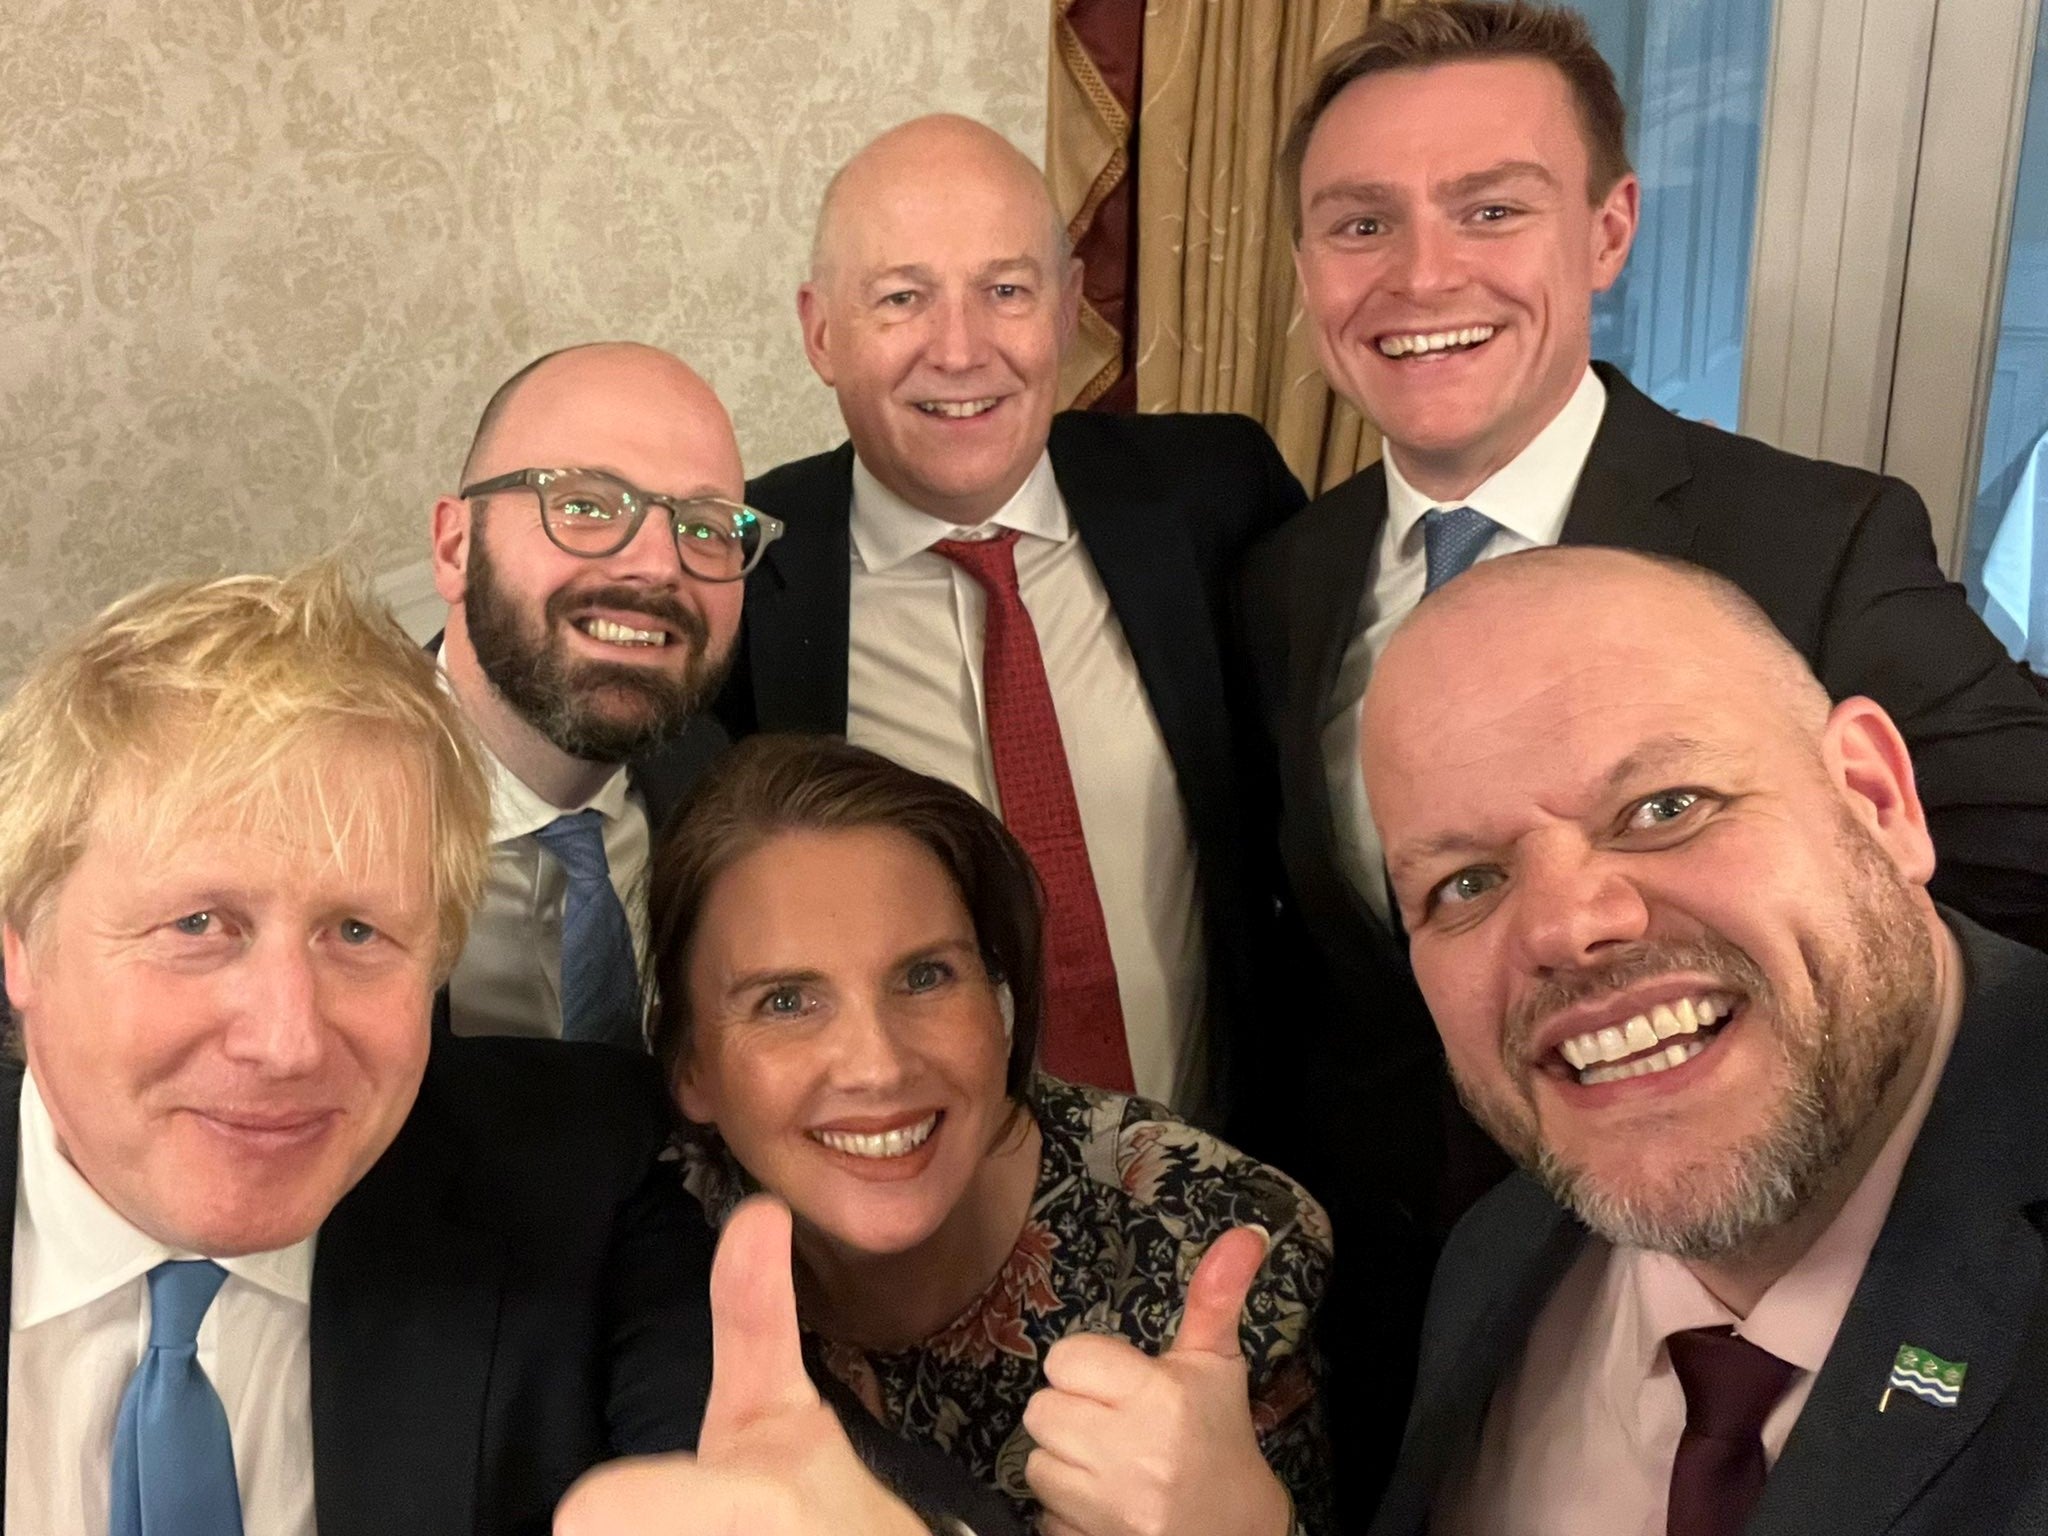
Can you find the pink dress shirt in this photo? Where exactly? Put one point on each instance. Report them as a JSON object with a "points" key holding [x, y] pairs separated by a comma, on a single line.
{"points": [[1580, 1435]]}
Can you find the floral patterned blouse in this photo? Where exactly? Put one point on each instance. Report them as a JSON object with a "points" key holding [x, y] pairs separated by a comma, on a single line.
{"points": [[1129, 1198]]}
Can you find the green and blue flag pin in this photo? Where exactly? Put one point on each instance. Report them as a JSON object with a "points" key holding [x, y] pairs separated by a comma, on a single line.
{"points": [[1926, 1375]]}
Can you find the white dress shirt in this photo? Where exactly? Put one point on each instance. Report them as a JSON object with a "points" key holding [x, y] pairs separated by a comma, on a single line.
{"points": [[1528, 497], [914, 693], [509, 979], [78, 1326]]}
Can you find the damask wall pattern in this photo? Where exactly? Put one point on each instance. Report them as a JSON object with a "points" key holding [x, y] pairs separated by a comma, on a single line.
{"points": [[262, 260]]}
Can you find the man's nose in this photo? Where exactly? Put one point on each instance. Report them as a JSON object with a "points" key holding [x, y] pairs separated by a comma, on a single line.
{"points": [[277, 1023], [959, 337], [650, 555], [1428, 258], [1572, 903]]}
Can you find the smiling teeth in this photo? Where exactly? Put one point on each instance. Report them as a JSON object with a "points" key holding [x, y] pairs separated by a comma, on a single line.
{"points": [[1675, 1054], [619, 634], [1687, 1016], [957, 409], [1434, 341], [896, 1143]]}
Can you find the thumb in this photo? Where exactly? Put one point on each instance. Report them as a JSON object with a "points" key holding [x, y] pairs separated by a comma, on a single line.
{"points": [[757, 1366], [1216, 1293]]}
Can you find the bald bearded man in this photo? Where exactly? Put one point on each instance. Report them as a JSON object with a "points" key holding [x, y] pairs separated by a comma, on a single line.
{"points": [[1775, 1263], [591, 559], [1027, 603]]}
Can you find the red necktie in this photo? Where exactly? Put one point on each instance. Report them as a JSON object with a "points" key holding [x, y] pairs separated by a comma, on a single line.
{"points": [[1730, 1388], [1084, 1020]]}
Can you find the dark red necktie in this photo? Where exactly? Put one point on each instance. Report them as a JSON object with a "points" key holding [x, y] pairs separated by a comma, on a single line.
{"points": [[1730, 1388], [1084, 1019]]}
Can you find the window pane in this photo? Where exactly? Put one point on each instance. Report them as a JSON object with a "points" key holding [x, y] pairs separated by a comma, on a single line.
{"points": [[1693, 75], [2005, 562]]}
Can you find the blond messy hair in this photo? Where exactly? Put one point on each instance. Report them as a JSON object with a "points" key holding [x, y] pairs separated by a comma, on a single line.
{"points": [[210, 701]]}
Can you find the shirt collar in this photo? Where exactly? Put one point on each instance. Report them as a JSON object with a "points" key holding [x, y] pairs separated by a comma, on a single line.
{"points": [[887, 530], [516, 811], [1798, 1317], [1531, 493], [72, 1248]]}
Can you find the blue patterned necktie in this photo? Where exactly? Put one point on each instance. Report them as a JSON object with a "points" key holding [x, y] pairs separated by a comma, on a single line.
{"points": [[1451, 540], [174, 1465], [600, 986]]}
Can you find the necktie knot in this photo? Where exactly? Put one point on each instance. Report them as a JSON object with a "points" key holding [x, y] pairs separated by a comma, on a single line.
{"points": [[1730, 1384], [991, 561], [577, 842], [1452, 538], [180, 1291]]}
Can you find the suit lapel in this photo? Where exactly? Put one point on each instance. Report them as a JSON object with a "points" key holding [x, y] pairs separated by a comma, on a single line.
{"points": [[797, 607], [1322, 608], [1958, 1270], [1141, 550], [1638, 458], [404, 1315], [1459, 1380]]}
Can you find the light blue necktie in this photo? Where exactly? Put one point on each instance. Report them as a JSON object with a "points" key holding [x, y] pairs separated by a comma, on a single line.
{"points": [[1451, 540], [600, 986], [174, 1465]]}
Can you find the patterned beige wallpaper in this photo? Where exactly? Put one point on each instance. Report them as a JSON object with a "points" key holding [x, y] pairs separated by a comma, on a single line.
{"points": [[262, 260]]}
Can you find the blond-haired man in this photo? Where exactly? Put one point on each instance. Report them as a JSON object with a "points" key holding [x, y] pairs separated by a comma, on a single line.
{"points": [[271, 1267]]}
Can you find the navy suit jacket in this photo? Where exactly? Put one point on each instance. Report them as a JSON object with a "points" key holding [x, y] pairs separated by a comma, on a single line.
{"points": [[1165, 507], [1961, 1268]]}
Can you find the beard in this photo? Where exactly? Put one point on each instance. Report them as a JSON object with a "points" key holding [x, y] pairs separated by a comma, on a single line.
{"points": [[598, 711], [1873, 993]]}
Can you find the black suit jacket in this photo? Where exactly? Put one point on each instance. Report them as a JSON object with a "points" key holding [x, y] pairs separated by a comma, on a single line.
{"points": [[1959, 1269], [1165, 507], [516, 1291]]}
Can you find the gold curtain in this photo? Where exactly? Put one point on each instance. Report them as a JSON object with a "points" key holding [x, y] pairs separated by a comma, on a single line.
{"points": [[1220, 326], [1087, 132]]}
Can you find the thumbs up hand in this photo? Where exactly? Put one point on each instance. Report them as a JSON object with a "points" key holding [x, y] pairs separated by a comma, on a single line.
{"points": [[1132, 1445], [771, 1459]]}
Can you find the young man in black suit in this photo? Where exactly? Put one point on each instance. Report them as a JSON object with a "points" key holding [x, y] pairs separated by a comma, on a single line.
{"points": [[1776, 1260], [383, 1289], [1100, 708]]}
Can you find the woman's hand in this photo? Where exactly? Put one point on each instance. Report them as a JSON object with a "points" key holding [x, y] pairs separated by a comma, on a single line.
{"points": [[1130, 1445], [772, 1459]]}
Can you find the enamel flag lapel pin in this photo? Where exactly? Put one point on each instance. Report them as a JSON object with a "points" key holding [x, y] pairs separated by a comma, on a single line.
{"points": [[1926, 1375]]}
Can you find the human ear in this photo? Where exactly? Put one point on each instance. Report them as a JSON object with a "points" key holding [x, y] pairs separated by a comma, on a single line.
{"points": [[1868, 761], [452, 528]]}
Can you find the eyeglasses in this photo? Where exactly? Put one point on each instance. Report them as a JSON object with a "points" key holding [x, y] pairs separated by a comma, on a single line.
{"points": [[591, 514]]}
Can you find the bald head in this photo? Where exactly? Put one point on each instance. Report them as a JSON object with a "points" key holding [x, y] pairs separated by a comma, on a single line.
{"points": [[941, 149], [575, 380], [1524, 623]]}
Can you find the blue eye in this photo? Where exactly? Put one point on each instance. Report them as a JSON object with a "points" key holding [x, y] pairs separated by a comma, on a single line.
{"points": [[197, 924], [782, 1002], [924, 975], [355, 932], [1661, 810], [1467, 885]]}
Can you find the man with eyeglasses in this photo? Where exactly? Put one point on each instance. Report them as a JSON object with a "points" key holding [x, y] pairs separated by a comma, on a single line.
{"points": [[592, 562]]}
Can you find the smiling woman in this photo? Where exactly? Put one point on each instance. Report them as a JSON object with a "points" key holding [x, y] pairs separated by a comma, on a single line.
{"points": [[847, 996]]}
